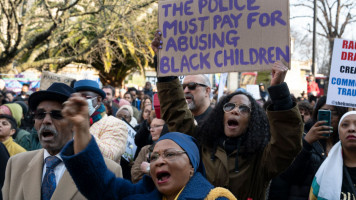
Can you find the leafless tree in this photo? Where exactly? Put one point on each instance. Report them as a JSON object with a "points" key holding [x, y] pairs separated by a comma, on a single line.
{"points": [[334, 16]]}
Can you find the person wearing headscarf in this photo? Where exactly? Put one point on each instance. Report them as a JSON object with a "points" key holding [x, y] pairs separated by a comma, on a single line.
{"points": [[336, 177], [243, 147], [176, 168]]}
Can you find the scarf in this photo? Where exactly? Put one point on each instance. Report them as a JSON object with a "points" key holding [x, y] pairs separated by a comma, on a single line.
{"points": [[98, 114], [328, 179]]}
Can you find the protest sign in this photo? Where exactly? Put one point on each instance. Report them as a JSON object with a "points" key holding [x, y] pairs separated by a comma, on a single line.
{"points": [[254, 90], [47, 78], [222, 84], [215, 36], [181, 79], [248, 78], [130, 145], [342, 80]]}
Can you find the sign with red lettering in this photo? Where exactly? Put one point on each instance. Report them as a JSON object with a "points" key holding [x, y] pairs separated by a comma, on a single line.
{"points": [[216, 36], [342, 79]]}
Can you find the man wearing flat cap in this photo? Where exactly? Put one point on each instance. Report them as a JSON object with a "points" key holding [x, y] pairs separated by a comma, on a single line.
{"points": [[109, 132], [41, 174]]}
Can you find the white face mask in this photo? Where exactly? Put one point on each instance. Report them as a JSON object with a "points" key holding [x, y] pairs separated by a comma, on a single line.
{"points": [[91, 108]]}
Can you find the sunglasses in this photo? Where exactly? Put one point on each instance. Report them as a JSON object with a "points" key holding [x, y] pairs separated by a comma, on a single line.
{"points": [[55, 114], [242, 108], [192, 85]]}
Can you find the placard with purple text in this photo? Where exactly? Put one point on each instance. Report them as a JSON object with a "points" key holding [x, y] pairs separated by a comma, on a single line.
{"points": [[216, 36]]}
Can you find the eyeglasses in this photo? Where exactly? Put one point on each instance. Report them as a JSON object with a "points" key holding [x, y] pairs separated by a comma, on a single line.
{"points": [[169, 154], [242, 108], [192, 85], [55, 114], [155, 127]]}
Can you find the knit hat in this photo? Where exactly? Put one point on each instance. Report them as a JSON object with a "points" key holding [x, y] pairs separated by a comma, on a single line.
{"points": [[123, 102], [16, 112], [127, 107], [23, 105]]}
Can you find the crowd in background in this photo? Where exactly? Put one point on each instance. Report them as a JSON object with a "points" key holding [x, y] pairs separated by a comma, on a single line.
{"points": [[285, 179]]}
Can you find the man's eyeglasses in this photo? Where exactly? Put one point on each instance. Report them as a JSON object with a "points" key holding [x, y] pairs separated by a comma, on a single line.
{"points": [[55, 114], [169, 154], [192, 85], [242, 108]]}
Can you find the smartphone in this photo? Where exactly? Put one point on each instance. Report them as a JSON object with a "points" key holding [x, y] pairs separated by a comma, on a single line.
{"points": [[325, 115]]}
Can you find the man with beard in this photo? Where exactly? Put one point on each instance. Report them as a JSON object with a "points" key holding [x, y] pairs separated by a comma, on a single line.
{"points": [[41, 174], [197, 90]]}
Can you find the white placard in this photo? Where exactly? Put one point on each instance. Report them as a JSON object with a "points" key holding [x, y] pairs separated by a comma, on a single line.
{"points": [[342, 79], [130, 145], [254, 90], [222, 84]]}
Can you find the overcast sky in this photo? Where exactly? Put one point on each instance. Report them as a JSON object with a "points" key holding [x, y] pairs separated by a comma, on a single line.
{"points": [[301, 24]]}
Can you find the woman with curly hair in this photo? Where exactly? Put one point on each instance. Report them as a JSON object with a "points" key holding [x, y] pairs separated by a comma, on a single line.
{"points": [[242, 148]]}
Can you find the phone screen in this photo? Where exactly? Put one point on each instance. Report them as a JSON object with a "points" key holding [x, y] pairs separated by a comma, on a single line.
{"points": [[325, 115]]}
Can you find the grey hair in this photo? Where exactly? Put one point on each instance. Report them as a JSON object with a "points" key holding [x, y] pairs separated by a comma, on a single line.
{"points": [[206, 80]]}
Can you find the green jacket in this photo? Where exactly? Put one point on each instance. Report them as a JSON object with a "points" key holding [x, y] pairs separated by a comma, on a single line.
{"points": [[256, 172], [23, 138]]}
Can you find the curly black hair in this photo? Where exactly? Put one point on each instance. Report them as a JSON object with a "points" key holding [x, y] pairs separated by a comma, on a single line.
{"points": [[253, 140]]}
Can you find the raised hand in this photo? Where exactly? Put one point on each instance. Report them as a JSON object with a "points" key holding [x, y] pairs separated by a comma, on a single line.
{"points": [[76, 111], [157, 41], [317, 132], [279, 71]]}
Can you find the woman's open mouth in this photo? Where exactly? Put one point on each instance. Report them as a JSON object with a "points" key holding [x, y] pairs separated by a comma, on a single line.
{"points": [[162, 177], [232, 123]]}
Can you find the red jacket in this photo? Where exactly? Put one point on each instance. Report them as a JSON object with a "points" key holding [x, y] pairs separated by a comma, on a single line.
{"points": [[313, 87]]}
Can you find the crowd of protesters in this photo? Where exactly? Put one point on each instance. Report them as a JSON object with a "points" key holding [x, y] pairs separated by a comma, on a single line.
{"points": [[68, 142]]}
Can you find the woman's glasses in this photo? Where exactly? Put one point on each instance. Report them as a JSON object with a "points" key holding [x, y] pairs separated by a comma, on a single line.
{"points": [[55, 114], [192, 85], [242, 108], [169, 154]]}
